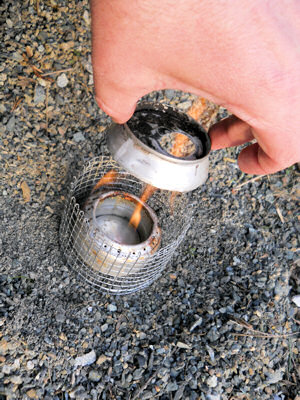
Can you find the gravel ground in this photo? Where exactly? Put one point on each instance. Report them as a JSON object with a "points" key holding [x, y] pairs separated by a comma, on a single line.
{"points": [[218, 325]]}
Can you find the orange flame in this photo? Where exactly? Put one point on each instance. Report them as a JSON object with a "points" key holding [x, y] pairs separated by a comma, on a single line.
{"points": [[109, 177], [136, 216], [179, 149]]}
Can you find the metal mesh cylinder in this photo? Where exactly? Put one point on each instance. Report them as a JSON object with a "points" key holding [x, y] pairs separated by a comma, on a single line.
{"points": [[131, 262]]}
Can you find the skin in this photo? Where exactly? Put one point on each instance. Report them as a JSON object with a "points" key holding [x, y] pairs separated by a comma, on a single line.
{"points": [[242, 55]]}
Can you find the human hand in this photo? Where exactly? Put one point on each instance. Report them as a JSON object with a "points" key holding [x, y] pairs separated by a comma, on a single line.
{"points": [[243, 56]]}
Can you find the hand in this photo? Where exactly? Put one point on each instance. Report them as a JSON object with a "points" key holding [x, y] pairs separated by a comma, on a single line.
{"points": [[242, 55]]}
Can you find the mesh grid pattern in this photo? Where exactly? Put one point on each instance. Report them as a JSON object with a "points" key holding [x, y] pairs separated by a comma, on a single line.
{"points": [[119, 271]]}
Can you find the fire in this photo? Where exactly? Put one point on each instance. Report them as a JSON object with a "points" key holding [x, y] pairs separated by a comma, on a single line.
{"points": [[180, 148], [109, 177], [136, 216]]}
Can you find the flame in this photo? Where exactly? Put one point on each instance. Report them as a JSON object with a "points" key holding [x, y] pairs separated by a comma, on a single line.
{"points": [[179, 149], [136, 216], [109, 177]]}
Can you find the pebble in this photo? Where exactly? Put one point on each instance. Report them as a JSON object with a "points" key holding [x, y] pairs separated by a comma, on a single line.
{"points": [[274, 377], [112, 308], [62, 80], [212, 381], [39, 95], [78, 137], [6, 369], [16, 379], [30, 365], [296, 300], [86, 359], [171, 387], [102, 359], [11, 124], [94, 376], [184, 106], [104, 327], [213, 397]]}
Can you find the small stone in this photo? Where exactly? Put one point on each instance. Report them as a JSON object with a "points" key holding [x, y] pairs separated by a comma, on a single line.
{"points": [[212, 381], [39, 95], [274, 377], [78, 137], [60, 317], [195, 324], [170, 93], [32, 394], [112, 308], [185, 105], [62, 80], [104, 327], [11, 124], [94, 376], [30, 365], [86, 359], [16, 379], [147, 395], [183, 345], [179, 393], [9, 23], [213, 397], [296, 300], [6, 369], [101, 360], [138, 373], [171, 387]]}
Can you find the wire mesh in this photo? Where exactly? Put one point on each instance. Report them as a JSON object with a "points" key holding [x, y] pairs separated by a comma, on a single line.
{"points": [[110, 266]]}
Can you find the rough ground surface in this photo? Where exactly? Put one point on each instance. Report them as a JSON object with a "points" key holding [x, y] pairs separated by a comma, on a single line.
{"points": [[219, 324]]}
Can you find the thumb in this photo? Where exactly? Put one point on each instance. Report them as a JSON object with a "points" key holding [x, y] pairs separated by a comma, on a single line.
{"points": [[119, 106]]}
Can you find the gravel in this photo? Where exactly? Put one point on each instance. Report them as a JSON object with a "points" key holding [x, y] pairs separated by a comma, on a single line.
{"points": [[218, 324]]}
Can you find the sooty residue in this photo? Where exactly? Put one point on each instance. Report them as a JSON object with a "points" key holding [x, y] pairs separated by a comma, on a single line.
{"points": [[150, 125]]}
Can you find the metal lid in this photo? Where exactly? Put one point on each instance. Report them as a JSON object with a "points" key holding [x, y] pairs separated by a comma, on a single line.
{"points": [[147, 146]]}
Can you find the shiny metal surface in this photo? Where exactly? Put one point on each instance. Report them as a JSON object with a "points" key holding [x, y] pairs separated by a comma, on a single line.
{"points": [[112, 246], [141, 155], [95, 237]]}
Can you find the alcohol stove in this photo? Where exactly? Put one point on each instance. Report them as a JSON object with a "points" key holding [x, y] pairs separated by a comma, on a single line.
{"points": [[158, 146]]}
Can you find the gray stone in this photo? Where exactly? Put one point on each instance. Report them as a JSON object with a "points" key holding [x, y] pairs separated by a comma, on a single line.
{"points": [[62, 80], [185, 105], [112, 308], [274, 377], [86, 359], [138, 373], [94, 376], [213, 397], [39, 95], [6, 369], [78, 137], [104, 327], [16, 379], [170, 93], [11, 124], [212, 381], [30, 365], [171, 387], [296, 300]]}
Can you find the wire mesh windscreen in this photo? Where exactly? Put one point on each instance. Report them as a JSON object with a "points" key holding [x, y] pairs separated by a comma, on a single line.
{"points": [[111, 265]]}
